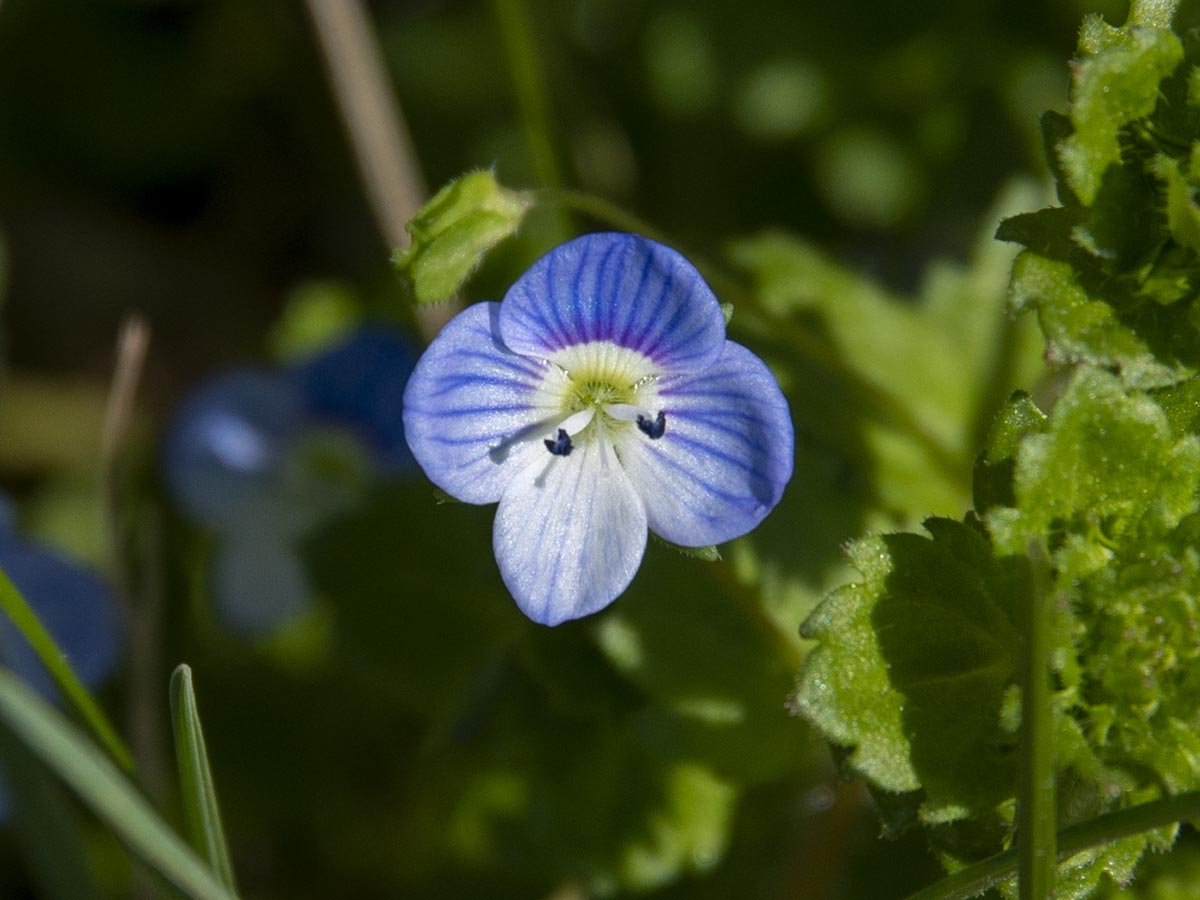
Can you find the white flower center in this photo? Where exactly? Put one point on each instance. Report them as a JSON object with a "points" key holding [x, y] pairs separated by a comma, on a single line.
{"points": [[598, 391]]}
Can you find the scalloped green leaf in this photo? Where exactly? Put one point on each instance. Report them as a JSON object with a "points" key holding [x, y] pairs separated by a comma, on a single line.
{"points": [[1115, 83], [1149, 344], [913, 665]]}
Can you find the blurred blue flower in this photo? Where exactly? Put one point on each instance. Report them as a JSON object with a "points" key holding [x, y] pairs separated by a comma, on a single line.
{"points": [[598, 400], [261, 456], [72, 603]]}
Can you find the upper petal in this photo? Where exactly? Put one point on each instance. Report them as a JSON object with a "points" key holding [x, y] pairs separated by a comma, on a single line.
{"points": [[569, 534], [470, 406], [620, 288], [725, 456]]}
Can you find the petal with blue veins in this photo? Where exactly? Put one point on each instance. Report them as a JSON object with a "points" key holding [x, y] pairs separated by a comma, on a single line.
{"points": [[619, 288], [474, 411], [569, 534], [724, 457]]}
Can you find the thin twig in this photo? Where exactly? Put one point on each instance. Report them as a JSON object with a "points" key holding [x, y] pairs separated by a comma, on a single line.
{"points": [[132, 346], [383, 148], [142, 617]]}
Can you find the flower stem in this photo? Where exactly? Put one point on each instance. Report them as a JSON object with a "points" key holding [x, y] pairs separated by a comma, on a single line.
{"points": [[1036, 805], [379, 137], [975, 879], [533, 97]]}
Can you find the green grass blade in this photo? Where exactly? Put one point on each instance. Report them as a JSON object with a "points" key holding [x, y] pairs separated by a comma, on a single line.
{"points": [[195, 778], [55, 661], [46, 826], [104, 789]]}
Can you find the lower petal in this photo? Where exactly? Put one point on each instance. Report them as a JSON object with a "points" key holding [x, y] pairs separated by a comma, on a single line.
{"points": [[472, 407], [569, 534], [724, 457]]}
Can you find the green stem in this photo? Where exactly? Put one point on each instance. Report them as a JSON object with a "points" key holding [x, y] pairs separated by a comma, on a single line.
{"points": [[1036, 804], [981, 876], [533, 96]]}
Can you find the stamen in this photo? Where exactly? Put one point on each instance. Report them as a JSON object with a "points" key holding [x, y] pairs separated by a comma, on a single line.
{"points": [[653, 429], [576, 422], [560, 445]]}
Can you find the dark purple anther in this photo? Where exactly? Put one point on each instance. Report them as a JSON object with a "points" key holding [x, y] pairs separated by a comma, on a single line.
{"points": [[653, 430], [561, 445]]}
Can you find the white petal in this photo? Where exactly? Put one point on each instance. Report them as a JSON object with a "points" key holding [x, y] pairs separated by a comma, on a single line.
{"points": [[569, 534]]}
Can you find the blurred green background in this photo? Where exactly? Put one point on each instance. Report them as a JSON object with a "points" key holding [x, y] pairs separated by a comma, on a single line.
{"points": [[413, 736]]}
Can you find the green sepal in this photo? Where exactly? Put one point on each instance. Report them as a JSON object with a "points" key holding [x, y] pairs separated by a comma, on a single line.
{"points": [[707, 554], [452, 233]]}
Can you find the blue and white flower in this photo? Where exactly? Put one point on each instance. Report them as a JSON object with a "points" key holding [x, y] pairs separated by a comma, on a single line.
{"points": [[263, 456], [598, 400]]}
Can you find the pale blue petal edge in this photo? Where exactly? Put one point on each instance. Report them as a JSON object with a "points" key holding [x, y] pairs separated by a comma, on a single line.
{"points": [[725, 457], [467, 405], [569, 534], [621, 288]]}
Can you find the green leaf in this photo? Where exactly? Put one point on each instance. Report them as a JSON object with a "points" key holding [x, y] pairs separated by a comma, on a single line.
{"points": [[1115, 83], [55, 661], [913, 665], [195, 778], [1080, 475], [1149, 344], [452, 233], [1183, 213], [993, 482], [103, 789]]}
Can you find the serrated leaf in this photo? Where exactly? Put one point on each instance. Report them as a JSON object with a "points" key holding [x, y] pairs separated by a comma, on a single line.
{"points": [[913, 665], [104, 790], [994, 467], [452, 233], [1116, 83], [1183, 213], [195, 777], [1080, 468], [1149, 344]]}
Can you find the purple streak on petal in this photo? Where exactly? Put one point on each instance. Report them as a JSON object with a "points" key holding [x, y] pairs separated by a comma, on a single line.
{"points": [[726, 455], [615, 287], [467, 396], [569, 535], [622, 331]]}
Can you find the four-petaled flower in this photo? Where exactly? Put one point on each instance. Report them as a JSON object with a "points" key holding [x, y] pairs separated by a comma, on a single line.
{"points": [[598, 399]]}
